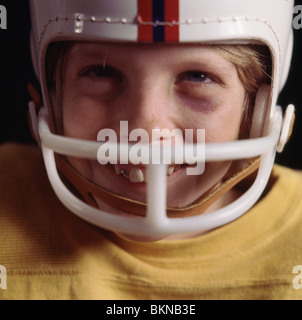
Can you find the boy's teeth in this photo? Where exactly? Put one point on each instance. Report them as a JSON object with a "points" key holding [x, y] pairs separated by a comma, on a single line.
{"points": [[117, 170], [178, 167], [136, 175], [170, 171]]}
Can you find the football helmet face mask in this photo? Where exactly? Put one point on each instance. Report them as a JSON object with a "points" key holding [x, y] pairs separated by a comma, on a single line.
{"points": [[172, 21]]}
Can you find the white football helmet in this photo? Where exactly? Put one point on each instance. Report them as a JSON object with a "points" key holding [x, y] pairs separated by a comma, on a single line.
{"points": [[264, 22]]}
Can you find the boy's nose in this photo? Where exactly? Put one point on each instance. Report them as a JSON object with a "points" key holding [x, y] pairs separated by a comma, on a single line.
{"points": [[150, 108]]}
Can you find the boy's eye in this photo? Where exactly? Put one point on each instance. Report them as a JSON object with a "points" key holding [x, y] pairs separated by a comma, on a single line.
{"points": [[102, 72], [105, 72], [195, 76]]}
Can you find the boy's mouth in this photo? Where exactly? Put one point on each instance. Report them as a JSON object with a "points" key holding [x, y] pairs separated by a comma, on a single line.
{"points": [[138, 174]]}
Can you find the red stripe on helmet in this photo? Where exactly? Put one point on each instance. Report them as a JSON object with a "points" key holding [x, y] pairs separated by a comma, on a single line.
{"points": [[172, 17], [145, 14]]}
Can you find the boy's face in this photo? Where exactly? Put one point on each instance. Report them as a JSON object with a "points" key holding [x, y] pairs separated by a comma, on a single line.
{"points": [[151, 86]]}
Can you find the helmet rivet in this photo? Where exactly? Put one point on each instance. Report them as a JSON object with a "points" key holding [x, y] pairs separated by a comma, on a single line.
{"points": [[79, 17], [108, 20], [92, 19]]}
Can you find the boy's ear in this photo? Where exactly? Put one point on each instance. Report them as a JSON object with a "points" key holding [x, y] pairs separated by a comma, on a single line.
{"points": [[35, 95], [260, 111]]}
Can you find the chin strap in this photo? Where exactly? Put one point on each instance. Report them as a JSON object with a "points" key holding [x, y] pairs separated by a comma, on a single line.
{"points": [[89, 190]]}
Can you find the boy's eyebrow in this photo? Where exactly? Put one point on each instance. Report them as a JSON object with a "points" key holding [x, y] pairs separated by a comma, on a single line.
{"points": [[86, 51]]}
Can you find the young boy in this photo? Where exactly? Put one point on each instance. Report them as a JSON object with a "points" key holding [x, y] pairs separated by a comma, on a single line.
{"points": [[113, 76]]}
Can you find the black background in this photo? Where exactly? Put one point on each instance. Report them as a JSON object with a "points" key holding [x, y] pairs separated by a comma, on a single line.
{"points": [[16, 71]]}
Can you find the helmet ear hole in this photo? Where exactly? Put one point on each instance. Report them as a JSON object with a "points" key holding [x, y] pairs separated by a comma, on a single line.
{"points": [[260, 111]]}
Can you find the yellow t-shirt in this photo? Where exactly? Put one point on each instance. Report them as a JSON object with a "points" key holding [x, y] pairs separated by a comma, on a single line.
{"points": [[49, 253]]}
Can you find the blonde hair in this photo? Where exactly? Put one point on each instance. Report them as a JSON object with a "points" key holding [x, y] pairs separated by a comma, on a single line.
{"points": [[253, 64]]}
